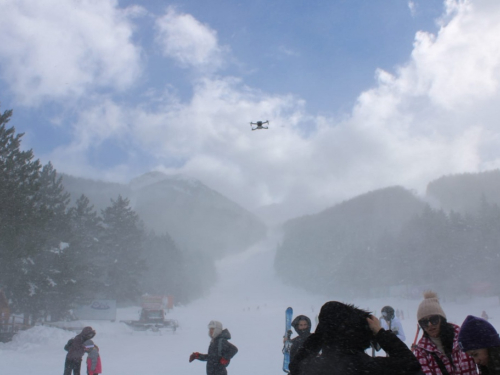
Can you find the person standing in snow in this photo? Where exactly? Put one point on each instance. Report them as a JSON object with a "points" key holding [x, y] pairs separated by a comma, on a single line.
{"points": [[94, 366], [438, 351], [390, 322], [481, 341], [338, 345], [302, 325], [75, 350], [220, 350]]}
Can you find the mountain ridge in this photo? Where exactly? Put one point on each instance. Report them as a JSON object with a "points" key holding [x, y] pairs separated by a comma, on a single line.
{"points": [[197, 217]]}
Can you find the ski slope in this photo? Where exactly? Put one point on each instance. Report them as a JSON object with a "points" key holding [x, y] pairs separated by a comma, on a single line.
{"points": [[248, 300]]}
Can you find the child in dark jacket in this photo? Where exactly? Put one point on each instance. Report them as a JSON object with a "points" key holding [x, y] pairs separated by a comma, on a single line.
{"points": [[93, 358]]}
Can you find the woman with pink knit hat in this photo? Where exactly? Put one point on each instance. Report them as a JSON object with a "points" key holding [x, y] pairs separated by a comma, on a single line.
{"points": [[438, 350]]}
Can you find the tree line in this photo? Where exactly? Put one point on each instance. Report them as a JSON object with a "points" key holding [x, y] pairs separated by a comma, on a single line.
{"points": [[54, 255], [457, 254]]}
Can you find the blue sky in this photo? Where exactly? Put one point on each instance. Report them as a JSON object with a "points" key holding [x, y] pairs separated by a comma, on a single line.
{"points": [[360, 94]]}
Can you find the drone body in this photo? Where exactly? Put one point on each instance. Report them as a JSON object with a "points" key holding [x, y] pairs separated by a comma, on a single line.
{"points": [[259, 125]]}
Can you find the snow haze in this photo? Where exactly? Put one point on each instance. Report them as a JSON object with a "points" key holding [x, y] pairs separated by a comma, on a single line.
{"points": [[248, 300]]}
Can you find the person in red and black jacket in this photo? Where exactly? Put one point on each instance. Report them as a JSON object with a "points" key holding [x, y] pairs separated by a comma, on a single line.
{"points": [[220, 350], [438, 350]]}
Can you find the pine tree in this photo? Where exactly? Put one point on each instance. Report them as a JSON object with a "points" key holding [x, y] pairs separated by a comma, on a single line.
{"points": [[123, 241], [55, 286], [87, 261], [19, 216]]}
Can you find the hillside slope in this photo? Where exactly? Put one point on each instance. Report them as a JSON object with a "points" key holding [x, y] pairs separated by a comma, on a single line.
{"points": [[332, 249], [195, 216]]}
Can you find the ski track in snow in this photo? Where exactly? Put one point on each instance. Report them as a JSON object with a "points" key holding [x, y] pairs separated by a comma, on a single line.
{"points": [[249, 301]]}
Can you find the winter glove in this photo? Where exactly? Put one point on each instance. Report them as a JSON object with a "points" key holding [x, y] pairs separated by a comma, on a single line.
{"points": [[223, 361], [194, 356]]}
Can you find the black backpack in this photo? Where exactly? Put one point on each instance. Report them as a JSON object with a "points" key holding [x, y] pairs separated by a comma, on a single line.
{"points": [[68, 344]]}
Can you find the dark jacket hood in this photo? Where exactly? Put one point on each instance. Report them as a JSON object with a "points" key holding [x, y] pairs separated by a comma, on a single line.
{"points": [[87, 333], [223, 335], [344, 327], [295, 325]]}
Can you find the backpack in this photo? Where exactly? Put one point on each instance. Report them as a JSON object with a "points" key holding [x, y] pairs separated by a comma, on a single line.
{"points": [[68, 344]]}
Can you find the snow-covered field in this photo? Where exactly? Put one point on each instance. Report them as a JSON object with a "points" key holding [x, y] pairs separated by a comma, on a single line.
{"points": [[247, 299]]}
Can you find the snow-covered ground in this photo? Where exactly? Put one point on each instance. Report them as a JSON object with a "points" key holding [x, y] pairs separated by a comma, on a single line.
{"points": [[247, 299]]}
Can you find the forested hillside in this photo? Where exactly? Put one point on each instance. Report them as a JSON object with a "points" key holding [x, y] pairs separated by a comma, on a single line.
{"points": [[389, 238], [336, 249], [54, 254], [197, 218], [463, 192]]}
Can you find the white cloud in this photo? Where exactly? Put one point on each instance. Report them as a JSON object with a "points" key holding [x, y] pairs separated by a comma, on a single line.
{"points": [[288, 51], [413, 8], [459, 68], [188, 41], [438, 114], [62, 49]]}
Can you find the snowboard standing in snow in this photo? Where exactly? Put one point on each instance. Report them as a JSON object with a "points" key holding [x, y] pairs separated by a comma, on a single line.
{"points": [[288, 342]]}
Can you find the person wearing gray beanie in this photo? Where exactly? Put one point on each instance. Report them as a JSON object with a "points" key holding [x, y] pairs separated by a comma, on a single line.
{"points": [[438, 351], [481, 341]]}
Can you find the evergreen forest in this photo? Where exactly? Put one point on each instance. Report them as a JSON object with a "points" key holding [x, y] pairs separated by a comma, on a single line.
{"points": [[54, 254], [390, 242]]}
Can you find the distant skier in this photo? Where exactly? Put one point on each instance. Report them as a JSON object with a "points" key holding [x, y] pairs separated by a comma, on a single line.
{"points": [[485, 316], [220, 351], [302, 325], [76, 349], [390, 322]]}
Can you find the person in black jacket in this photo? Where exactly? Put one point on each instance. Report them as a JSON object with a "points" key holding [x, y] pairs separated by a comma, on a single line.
{"points": [[302, 325], [76, 349], [338, 345], [220, 351]]}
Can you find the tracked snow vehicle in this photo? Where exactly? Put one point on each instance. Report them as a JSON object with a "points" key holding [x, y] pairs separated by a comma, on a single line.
{"points": [[152, 318]]}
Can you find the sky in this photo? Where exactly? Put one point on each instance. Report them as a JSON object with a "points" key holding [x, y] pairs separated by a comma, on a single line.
{"points": [[360, 95]]}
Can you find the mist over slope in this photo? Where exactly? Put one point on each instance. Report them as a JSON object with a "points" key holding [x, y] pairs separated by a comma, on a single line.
{"points": [[339, 243], [248, 299], [195, 216], [464, 192], [392, 240]]}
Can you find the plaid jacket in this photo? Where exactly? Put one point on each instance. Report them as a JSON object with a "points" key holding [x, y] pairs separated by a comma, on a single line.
{"points": [[462, 363]]}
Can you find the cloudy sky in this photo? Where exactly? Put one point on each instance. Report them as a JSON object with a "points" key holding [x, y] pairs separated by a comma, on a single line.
{"points": [[359, 94]]}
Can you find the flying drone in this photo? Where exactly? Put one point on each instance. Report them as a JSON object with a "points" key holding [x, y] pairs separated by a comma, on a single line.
{"points": [[259, 125]]}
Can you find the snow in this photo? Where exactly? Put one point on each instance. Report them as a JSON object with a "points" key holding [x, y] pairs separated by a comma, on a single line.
{"points": [[247, 299]]}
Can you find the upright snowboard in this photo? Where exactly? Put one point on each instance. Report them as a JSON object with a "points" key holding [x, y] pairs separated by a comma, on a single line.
{"points": [[288, 342]]}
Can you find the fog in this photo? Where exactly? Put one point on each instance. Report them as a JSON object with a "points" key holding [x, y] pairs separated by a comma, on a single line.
{"points": [[250, 302]]}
